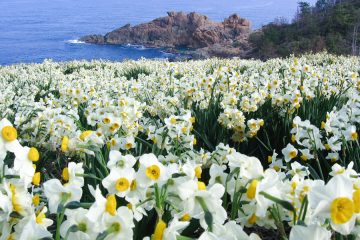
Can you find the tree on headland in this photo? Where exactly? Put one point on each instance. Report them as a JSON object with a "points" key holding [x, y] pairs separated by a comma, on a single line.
{"points": [[330, 25]]}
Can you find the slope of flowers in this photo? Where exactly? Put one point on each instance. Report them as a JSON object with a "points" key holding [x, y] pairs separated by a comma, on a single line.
{"points": [[213, 149]]}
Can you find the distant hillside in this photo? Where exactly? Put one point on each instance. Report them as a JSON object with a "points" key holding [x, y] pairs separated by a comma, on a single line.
{"points": [[330, 25]]}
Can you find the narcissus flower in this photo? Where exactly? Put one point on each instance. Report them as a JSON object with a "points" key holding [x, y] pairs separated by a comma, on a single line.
{"points": [[312, 232], [335, 201], [119, 181], [150, 171], [289, 152]]}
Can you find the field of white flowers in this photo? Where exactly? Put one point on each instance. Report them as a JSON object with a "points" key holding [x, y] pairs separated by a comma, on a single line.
{"points": [[212, 149]]}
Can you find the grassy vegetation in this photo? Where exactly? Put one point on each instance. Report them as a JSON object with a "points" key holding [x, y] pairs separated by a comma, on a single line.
{"points": [[329, 25]]}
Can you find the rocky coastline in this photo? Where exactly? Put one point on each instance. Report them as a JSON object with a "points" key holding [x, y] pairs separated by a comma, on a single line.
{"points": [[192, 34]]}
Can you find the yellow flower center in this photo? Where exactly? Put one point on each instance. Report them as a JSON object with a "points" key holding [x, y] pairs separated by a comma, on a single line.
{"points": [[354, 136], [122, 184], [251, 191], [9, 133], [356, 200], [65, 144], [252, 219], [65, 174], [133, 185], [201, 185], [153, 172], [36, 179], [16, 205], [106, 120], [113, 142], [129, 206], [10, 237], [33, 155], [327, 147], [276, 168], [342, 210], [159, 230], [292, 153], [184, 130], [185, 218], [128, 146], [110, 206], [82, 227], [36, 200], [198, 172], [40, 217], [84, 134], [173, 120], [304, 157], [116, 227]]}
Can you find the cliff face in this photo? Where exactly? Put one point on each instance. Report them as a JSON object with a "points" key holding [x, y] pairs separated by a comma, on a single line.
{"points": [[195, 31]]}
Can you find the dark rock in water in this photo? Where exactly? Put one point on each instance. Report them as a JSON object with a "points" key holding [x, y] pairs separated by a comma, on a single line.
{"points": [[96, 38], [193, 31]]}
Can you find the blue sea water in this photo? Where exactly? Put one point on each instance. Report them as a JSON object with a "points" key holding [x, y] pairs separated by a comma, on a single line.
{"points": [[34, 30]]}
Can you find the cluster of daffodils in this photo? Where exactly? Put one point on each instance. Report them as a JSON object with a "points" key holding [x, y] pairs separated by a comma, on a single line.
{"points": [[151, 150]]}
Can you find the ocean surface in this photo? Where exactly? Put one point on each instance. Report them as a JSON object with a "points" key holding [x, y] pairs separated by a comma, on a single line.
{"points": [[34, 30]]}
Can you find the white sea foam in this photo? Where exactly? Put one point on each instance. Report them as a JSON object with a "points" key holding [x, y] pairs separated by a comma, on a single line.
{"points": [[136, 46], [75, 41]]}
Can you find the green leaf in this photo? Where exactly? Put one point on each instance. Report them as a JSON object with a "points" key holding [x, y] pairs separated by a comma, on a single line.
{"points": [[11, 176], [60, 208], [208, 215], [209, 219], [183, 238], [176, 175], [285, 204], [313, 172], [73, 205], [102, 235], [15, 215]]}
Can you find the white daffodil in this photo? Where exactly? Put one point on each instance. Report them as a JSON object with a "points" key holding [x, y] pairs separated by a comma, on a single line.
{"points": [[20, 199], [335, 201], [174, 229], [8, 140], [150, 171], [306, 155], [57, 193], [77, 217], [250, 167], [270, 184], [217, 174], [312, 232], [337, 169], [229, 231], [289, 152], [28, 228], [120, 225], [192, 169], [351, 134], [120, 161], [119, 181], [101, 208], [72, 174], [196, 196], [23, 164]]}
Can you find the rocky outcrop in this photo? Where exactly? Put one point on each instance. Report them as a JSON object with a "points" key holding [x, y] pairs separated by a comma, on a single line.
{"points": [[204, 38]]}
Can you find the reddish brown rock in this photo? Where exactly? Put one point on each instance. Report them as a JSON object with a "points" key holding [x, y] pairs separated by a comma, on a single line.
{"points": [[178, 29]]}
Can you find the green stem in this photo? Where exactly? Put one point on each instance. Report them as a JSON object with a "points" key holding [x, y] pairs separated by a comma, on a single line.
{"points": [[59, 219]]}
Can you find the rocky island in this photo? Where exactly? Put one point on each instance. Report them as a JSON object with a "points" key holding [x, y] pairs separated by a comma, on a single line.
{"points": [[189, 33]]}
